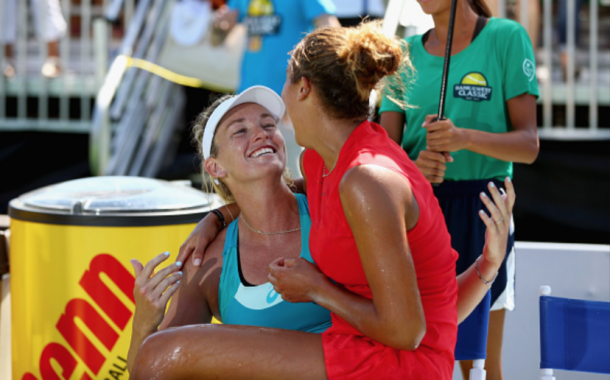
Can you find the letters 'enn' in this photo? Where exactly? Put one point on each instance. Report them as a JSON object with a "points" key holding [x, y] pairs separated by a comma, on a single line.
{"points": [[79, 308]]}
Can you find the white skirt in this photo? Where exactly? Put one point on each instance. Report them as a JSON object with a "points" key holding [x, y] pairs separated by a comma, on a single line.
{"points": [[47, 18]]}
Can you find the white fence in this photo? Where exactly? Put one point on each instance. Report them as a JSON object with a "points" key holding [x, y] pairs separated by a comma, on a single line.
{"points": [[595, 91], [83, 59]]}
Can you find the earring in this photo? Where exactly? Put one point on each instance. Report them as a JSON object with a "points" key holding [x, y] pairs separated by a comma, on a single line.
{"points": [[216, 181]]}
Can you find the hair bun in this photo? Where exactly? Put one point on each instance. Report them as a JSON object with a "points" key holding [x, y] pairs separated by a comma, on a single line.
{"points": [[345, 64], [370, 55]]}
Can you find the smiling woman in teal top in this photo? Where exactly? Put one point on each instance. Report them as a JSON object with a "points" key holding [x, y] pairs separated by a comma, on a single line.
{"points": [[246, 154], [490, 112]]}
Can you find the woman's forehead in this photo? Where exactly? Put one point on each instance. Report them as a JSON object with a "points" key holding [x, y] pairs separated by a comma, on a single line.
{"points": [[244, 111]]}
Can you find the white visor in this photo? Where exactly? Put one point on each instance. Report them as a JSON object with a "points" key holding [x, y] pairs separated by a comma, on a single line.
{"points": [[260, 95]]}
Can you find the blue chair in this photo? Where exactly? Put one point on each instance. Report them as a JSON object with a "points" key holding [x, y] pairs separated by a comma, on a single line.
{"points": [[472, 339], [574, 335]]}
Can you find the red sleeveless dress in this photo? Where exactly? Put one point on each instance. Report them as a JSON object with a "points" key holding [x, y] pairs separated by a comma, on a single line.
{"points": [[349, 354]]}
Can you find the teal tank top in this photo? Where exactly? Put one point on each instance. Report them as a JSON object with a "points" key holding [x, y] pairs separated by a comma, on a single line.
{"points": [[261, 305]]}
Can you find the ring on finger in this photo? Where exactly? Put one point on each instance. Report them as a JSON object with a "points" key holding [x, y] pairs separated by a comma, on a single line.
{"points": [[499, 221]]}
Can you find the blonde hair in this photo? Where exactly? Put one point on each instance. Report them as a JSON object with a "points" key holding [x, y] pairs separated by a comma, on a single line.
{"points": [[346, 64], [209, 185]]}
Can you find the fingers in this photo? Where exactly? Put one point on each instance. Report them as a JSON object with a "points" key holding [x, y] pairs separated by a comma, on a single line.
{"points": [[161, 288], [496, 215], [200, 238], [273, 268], [289, 263], [428, 120], [432, 165], [435, 130], [510, 195], [152, 264], [277, 267], [503, 202], [432, 159], [439, 145], [499, 202], [279, 262], [185, 251], [436, 126], [194, 250], [491, 225], [434, 176], [448, 156], [137, 266], [156, 289], [163, 273], [198, 255], [169, 293]]}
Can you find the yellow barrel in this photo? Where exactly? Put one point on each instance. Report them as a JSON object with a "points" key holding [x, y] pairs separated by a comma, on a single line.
{"points": [[71, 280]]}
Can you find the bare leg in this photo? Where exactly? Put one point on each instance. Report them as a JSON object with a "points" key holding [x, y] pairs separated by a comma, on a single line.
{"points": [[8, 51], [230, 352], [7, 66], [51, 68], [53, 47], [493, 363], [465, 366], [495, 336]]}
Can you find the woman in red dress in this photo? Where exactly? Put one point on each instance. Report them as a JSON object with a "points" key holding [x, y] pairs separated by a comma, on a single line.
{"points": [[386, 269]]}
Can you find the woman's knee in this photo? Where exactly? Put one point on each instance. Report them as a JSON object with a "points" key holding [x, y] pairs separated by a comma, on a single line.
{"points": [[162, 352], [154, 356]]}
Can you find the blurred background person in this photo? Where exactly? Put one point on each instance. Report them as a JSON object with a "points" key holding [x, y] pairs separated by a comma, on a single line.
{"points": [[562, 32], [49, 25], [274, 27]]}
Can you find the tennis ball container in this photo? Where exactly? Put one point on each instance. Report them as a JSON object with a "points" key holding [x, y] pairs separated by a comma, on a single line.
{"points": [[71, 280]]}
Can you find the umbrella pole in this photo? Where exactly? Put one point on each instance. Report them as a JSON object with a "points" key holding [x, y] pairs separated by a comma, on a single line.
{"points": [[441, 105]]}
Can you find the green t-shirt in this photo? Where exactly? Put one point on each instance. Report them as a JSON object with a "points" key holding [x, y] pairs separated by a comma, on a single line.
{"points": [[497, 66]]}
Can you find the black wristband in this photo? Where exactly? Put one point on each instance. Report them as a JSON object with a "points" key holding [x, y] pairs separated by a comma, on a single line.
{"points": [[220, 217]]}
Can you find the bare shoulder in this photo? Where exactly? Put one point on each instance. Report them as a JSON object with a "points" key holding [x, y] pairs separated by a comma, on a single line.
{"points": [[214, 251], [372, 179], [377, 194]]}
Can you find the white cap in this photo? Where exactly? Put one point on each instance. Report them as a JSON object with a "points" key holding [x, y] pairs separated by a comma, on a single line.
{"points": [[260, 95]]}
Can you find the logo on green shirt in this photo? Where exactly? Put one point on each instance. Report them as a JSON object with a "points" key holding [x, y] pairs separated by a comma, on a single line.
{"points": [[473, 87], [529, 69]]}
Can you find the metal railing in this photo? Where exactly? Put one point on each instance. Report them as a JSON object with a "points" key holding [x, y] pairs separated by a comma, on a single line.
{"points": [[135, 112], [592, 92], [83, 60], [590, 95]]}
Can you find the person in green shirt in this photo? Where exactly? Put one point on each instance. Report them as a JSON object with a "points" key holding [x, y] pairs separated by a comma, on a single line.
{"points": [[490, 122]]}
